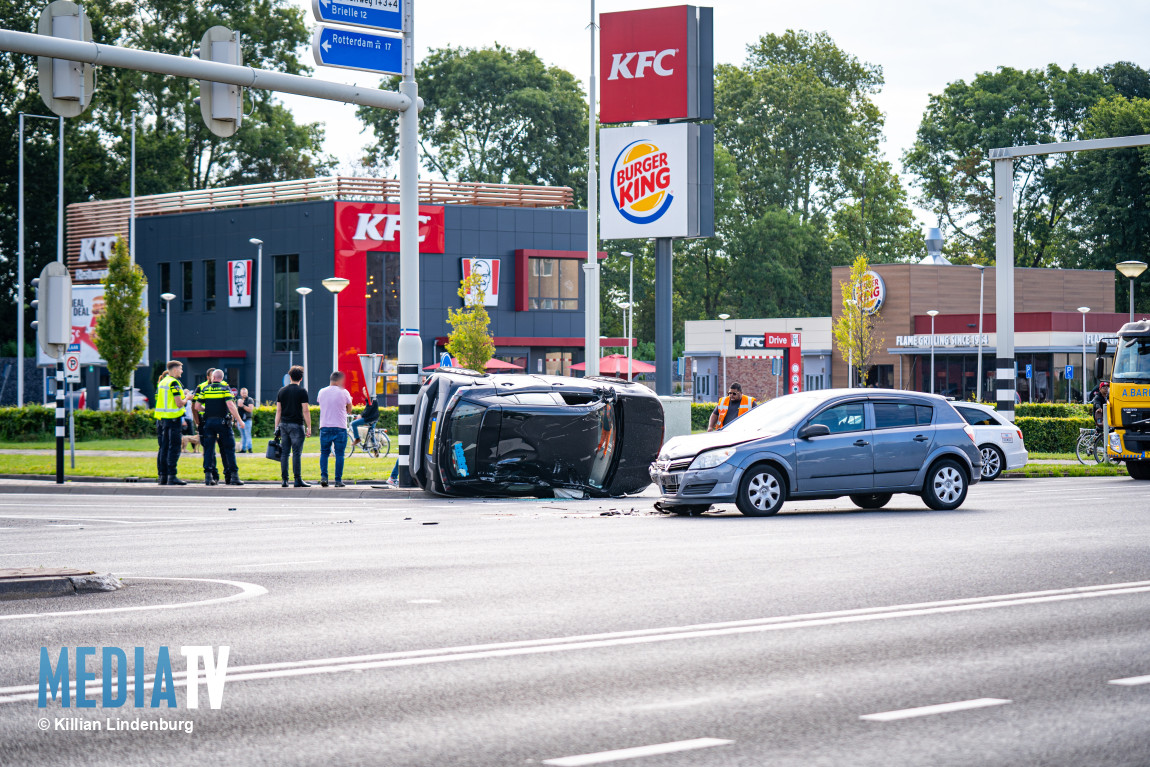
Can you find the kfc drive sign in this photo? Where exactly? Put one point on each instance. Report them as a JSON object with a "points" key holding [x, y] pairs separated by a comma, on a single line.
{"points": [[656, 64], [371, 226]]}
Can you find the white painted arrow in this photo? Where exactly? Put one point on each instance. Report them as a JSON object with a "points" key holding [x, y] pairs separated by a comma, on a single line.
{"points": [[325, 2], [326, 46]]}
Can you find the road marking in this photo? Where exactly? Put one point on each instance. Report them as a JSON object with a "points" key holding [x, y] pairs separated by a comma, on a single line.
{"points": [[634, 753], [424, 601], [941, 708], [283, 564], [24, 553], [1131, 681]]}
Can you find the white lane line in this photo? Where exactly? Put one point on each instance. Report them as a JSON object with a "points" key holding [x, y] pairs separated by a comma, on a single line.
{"points": [[424, 601], [1130, 681], [941, 708], [247, 591], [24, 553], [405, 658], [634, 753], [284, 564]]}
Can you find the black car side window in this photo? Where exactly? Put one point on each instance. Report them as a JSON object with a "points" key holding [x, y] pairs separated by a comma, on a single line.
{"points": [[925, 414], [842, 418], [891, 415], [977, 417]]}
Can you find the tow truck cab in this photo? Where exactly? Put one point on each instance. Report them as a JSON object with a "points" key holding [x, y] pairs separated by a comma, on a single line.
{"points": [[1128, 407]]}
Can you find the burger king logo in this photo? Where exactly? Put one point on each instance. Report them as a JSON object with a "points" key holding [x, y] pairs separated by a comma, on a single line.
{"points": [[641, 182], [871, 293]]}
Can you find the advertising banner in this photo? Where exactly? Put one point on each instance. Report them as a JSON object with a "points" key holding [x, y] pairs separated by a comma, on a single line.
{"points": [[240, 284], [87, 306], [488, 269], [374, 226]]}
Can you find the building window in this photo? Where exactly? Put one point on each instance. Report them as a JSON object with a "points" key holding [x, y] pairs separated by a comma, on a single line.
{"points": [[210, 286], [165, 284], [382, 296], [286, 316], [186, 283], [553, 283]]}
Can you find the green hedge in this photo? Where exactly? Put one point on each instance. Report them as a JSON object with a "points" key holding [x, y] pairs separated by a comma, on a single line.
{"points": [[36, 423], [1052, 410], [1051, 435], [700, 414]]}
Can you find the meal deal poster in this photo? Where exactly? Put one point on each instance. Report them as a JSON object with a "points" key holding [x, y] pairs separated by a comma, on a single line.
{"points": [[87, 306], [644, 185]]}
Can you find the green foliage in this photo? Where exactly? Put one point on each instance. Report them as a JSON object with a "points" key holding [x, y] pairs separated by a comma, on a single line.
{"points": [[701, 414], [855, 331], [469, 341], [121, 332], [1051, 410], [494, 115], [1051, 435]]}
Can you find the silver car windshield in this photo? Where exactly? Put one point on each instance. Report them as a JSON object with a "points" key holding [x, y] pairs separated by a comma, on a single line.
{"points": [[775, 416]]}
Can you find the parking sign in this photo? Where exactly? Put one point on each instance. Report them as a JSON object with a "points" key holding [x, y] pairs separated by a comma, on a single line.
{"points": [[1030, 371], [72, 364], [1069, 372]]}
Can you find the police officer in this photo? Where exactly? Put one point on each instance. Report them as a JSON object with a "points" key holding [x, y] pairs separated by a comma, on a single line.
{"points": [[197, 418], [170, 400], [219, 413]]}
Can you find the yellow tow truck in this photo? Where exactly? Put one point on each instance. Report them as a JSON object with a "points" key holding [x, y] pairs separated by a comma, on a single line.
{"points": [[1127, 411]]}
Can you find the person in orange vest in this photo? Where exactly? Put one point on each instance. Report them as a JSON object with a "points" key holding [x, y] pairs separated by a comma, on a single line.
{"points": [[730, 407]]}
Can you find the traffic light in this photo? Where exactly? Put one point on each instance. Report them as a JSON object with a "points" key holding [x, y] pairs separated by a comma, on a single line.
{"points": [[221, 105], [53, 307], [65, 86]]}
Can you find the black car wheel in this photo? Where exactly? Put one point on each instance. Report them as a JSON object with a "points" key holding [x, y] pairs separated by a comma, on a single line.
{"points": [[946, 486], [993, 462], [1138, 469], [762, 491], [871, 500]]}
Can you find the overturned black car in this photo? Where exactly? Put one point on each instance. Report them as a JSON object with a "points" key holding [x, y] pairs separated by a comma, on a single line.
{"points": [[533, 435]]}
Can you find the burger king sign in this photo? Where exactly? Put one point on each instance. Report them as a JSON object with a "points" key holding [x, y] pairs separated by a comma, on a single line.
{"points": [[649, 183]]}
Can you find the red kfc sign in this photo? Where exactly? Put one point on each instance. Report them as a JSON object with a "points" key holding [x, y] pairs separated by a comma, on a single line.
{"points": [[375, 226], [656, 64]]}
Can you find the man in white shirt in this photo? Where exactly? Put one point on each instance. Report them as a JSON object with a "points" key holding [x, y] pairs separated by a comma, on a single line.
{"points": [[334, 405]]}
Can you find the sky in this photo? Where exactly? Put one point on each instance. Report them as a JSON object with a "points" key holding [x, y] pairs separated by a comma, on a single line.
{"points": [[921, 45]]}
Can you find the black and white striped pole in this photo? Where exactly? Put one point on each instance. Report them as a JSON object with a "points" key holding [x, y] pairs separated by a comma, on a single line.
{"points": [[410, 346], [53, 325], [60, 425]]}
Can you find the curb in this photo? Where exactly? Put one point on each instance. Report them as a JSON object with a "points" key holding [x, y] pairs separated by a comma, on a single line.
{"points": [[28, 584], [107, 486]]}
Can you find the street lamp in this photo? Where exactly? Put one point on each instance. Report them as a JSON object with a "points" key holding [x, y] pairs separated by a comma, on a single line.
{"points": [[1132, 269], [1082, 309], [259, 312], [981, 282], [933, 313], [723, 348], [626, 307], [630, 306], [303, 331], [336, 286], [168, 314]]}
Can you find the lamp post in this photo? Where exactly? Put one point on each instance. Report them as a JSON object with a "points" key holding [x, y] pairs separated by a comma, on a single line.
{"points": [[630, 308], [1132, 269], [303, 331], [981, 282], [626, 307], [259, 313], [933, 313], [168, 318], [723, 348], [1082, 309], [336, 286]]}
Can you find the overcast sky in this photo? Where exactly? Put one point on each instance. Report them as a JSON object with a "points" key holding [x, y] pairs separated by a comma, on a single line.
{"points": [[921, 45]]}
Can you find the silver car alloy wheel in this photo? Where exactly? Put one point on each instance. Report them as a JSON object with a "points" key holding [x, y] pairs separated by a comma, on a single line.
{"points": [[948, 484], [991, 465], [763, 491]]}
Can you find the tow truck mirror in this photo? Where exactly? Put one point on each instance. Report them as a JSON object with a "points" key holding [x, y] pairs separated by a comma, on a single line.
{"points": [[1099, 367], [1101, 349]]}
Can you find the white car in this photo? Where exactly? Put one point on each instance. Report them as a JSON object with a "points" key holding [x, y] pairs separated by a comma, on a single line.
{"points": [[999, 441]]}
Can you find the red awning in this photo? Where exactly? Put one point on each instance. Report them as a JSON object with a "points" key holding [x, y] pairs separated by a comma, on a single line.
{"points": [[616, 365], [492, 364]]}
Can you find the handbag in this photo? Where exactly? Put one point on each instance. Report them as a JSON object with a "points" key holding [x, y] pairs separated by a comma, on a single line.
{"points": [[274, 451]]}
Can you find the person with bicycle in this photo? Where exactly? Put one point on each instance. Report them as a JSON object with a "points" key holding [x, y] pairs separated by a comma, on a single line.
{"points": [[367, 418], [334, 407]]}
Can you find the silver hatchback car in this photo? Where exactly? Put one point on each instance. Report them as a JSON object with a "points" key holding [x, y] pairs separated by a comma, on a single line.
{"points": [[864, 443]]}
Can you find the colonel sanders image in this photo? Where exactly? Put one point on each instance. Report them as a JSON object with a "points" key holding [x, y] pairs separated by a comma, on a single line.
{"points": [[240, 279], [483, 269]]}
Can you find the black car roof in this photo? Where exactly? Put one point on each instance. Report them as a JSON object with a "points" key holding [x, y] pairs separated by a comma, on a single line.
{"points": [[519, 383]]}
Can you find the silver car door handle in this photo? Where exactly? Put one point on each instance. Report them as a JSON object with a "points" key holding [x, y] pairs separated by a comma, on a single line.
{"points": [[861, 443]]}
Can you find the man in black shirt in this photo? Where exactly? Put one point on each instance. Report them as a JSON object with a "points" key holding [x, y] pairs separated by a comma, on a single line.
{"points": [[293, 424], [214, 400]]}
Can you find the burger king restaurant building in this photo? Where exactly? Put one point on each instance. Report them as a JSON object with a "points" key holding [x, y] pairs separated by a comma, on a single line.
{"points": [[524, 240]]}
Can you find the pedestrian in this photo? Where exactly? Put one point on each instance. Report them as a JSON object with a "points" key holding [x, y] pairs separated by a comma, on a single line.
{"points": [[219, 413], [730, 407], [170, 403], [247, 407], [293, 425], [334, 406]]}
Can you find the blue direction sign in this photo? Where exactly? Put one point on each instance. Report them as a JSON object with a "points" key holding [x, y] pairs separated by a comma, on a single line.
{"points": [[355, 49], [379, 14]]}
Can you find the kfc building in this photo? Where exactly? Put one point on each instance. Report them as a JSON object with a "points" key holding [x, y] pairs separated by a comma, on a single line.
{"points": [[524, 240]]}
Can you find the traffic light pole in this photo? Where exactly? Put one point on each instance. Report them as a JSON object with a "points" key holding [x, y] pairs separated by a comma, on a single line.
{"points": [[410, 345], [60, 418]]}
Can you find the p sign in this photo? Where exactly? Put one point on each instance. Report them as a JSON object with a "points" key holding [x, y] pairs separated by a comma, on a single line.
{"points": [[1069, 372], [72, 364]]}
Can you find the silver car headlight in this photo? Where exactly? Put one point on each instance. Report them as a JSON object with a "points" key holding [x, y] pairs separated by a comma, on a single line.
{"points": [[711, 459]]}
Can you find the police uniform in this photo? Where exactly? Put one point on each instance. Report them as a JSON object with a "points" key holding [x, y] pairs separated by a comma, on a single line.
{"points": [[217, 429], [168, 416]]}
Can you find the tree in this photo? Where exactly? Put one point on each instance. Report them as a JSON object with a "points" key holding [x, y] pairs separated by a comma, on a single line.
{"points": [[855, 330], [1009, 107], [121, 331], [492, 115], [470, 342]]}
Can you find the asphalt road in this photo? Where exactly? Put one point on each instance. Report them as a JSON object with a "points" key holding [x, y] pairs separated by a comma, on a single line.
{"points": [[534, 632]]}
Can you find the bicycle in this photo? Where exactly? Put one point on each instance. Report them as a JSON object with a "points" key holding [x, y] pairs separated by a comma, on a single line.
{"points": [[1091, 445], [375, 444]]}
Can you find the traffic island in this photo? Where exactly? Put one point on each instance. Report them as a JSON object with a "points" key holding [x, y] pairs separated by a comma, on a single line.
{"points": [[36, 582]]}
